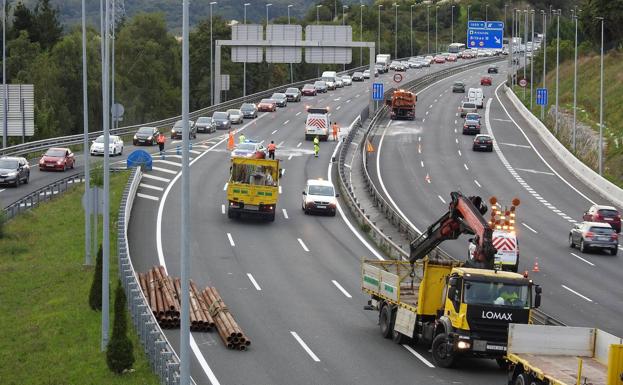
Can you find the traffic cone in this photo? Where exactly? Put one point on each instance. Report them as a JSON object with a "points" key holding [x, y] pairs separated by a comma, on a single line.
{"points": [[535, 268]]}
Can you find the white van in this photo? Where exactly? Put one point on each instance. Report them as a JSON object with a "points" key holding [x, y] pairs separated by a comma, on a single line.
{"points": [[317, 123], [330, 77], [476, 96], [507, 250]]}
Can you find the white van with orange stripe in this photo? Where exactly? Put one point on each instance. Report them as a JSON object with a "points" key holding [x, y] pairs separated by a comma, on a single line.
{"points": [[507, 250], [317, 123]]}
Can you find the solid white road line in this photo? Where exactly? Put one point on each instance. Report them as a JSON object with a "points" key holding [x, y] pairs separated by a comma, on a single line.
{"points": [[582, 259], [529, 228], [441, 199], [231, 240], [153, 198], [225, 187], [418, 356], [254, 282], [298, 113], [279, 189], [578, 294], [273, 133], [154, 177], [302, 244], [168, 162], [149, 186], [299, 145], [464, 165], [304, 345], [341, 289], [286, 122], [164, 170], [223, 209], [285, 214], [477, 184]]}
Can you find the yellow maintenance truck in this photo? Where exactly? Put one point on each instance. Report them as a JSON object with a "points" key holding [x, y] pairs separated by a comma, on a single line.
{"points": [[563, 355], [253, 187]]}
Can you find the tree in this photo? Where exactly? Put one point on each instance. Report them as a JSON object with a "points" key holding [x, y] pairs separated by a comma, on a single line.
{"points": [[23, 20], [95, 296], [47, 26], [21, 55], [120, 352]]}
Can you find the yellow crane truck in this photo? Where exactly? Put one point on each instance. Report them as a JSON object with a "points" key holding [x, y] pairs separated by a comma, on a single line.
{"points": [[458, 308], [253, 187], [563, 355]]}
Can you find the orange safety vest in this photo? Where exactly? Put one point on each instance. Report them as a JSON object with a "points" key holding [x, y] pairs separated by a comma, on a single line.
{"points": [[335, 128], [161, 139], [272, 147]]}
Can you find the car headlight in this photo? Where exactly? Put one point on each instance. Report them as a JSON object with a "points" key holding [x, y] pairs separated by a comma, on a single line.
{"points": [[59, 162], [463, 345], [150, 138], [41, 161], [12, 173], [173, 132], [135, 137]]}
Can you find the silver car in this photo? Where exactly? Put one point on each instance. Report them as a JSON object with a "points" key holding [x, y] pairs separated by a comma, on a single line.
{"points": [[235, 116], [594, 235], [347, 80], [281, 99]]}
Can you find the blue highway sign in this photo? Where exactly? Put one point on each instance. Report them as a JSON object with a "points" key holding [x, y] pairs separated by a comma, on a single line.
{"points": [[541, 96], [377, 91], [485, 34]]}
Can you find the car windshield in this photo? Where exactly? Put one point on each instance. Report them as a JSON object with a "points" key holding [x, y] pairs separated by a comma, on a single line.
{"points": [[204, 119], [319, 83], [246, 146], [219, 115], [278, 96], [469, 105], [55, 152], [292, 90], [472, 117], [345, 77], [234, 112], [8, 164], [145, 130], [496, 293], [366, 71], [269, 101], [100, 139], [178, 124], [321, 190], [247, 106], [601, 230], [357, 74], [608, 213], [460, 84]]}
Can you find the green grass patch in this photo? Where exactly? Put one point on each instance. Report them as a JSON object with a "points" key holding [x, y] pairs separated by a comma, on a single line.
{"points": [[49, 333]]}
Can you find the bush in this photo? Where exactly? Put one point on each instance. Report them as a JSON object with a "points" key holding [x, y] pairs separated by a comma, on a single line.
{"points": [[95, 296], [3, 221], [120, 353]]}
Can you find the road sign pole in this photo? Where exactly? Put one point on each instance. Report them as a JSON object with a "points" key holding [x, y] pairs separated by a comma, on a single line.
{"points": [[106, 211], [85, 124]]}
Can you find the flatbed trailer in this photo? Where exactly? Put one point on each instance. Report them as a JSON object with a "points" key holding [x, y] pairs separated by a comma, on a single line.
{"points": [[555, 355]]}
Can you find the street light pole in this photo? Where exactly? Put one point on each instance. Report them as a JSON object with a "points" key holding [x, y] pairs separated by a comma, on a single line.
{"points": [[106, 210], [379, 34], [411, 24], [291, 71], [544, 57], [85, 124], [557, 13], [211, 58], [525, 50], [436, 13], [396, 32], [575, 79], [267, 5], [244, 64], [486, 12], [361, 32], [505, 19], [5, 131], [317, 14], [344, 8], [452, 25], [601, 101], [428, 28], [532, 62]]}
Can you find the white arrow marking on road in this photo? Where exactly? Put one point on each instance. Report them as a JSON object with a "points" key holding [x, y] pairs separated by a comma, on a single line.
{"points": [[257, 287], [341, 289], [578, 294], [534, 171]]}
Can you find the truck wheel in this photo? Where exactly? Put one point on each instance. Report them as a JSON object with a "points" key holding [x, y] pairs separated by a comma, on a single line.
{"points": [[400, 338], [524, 379], [271, 217], [386, 322], [613, 251], [502, 363], [443, 355], [230, 214]]}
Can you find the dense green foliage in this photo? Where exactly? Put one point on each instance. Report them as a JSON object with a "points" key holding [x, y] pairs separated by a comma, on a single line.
{"points": [[120, 352]]}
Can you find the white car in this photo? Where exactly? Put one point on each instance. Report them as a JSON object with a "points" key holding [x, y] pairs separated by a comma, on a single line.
{"points": [[347, 80], [115, 146], [235, 116], [319, 196], [339, 83], [249, 149]]}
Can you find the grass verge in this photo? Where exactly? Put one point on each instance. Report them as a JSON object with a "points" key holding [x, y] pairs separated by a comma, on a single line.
{"points": [[49, 333]]}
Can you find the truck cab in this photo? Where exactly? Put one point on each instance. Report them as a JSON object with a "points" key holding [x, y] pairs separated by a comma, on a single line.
{"points": [[317, 123]]}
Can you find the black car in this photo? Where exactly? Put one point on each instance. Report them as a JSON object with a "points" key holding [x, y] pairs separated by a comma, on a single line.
{"points": [[281, 99], [458, 87], [492, 70], [176, 130], [483, 143], [595, 235], [471, 127], [205, 124], [357, 77], [221, 120], [145, 136], [14, 170], [249, 110], [293, 94]]}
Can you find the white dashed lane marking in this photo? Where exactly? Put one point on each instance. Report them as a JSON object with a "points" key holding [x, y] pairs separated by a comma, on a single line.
{"points": [[231, 240], [576, 293], [477, 184], [582, 259]]}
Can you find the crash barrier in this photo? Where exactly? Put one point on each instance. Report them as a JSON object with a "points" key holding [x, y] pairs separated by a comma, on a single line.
{"points": [[384, 241]]}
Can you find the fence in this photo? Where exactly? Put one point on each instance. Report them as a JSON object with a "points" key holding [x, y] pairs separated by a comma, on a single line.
{"points": [[384, 241]]}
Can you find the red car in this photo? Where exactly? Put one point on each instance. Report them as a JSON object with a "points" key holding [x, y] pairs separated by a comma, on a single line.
{"points": [[308, 90], [486, 81], [604, 214], [440, 59], [269, 105], [57, 159], [451, 58]]}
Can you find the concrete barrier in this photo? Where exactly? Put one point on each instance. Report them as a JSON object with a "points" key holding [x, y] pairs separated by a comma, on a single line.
{"points": [[601, 185]]}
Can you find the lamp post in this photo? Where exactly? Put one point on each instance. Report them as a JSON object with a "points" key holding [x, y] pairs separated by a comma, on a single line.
{"points": [[575, 78], [267, 5], [5, 132], [452, 25], [466, 41], [544, 57], [525, 51], [212, 3], [344, 8], [532, 61], [486, 12], [379, 34], [512, 48], [396, 32], [505, 18], [601, 100], [318, 13], [557, 13], [244, 64], [85, 126], [411, 24], [291, 71], [436, 13], [428, 28], [361, 32]]}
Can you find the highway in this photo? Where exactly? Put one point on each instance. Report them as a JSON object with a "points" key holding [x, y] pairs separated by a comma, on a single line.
{"points": [[579, 289], [293, 285]]}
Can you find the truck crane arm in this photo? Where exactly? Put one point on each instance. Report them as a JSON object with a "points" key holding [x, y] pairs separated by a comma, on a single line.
{"points": [[464, 216]]}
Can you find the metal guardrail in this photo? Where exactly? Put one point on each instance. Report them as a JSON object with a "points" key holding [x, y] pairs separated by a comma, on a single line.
{"points": [[162, 357], [42, 194], [44, 144], [384, 241]]}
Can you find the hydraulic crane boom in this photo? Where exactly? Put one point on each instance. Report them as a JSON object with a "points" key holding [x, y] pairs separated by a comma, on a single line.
{"points": [[464, 216]]}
